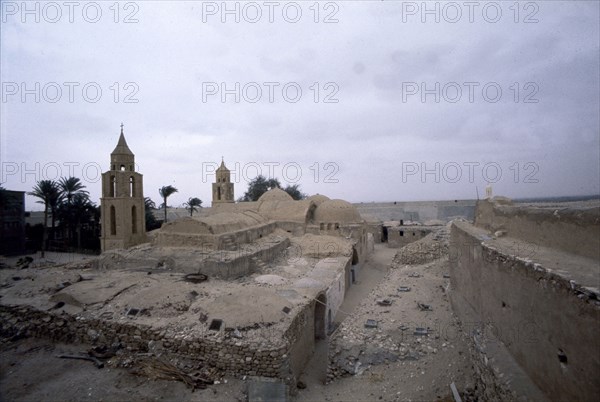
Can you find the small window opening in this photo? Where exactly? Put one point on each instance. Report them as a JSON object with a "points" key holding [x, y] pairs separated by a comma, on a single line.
{"points": [[133, 220], [113, 186], [562, 357], [215, 325], [113, 220]]}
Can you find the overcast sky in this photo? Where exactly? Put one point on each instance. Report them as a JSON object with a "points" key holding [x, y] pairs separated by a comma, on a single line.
{"points": [[359, 100]]}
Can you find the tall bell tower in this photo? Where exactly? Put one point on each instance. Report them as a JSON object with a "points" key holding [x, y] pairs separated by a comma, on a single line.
{"points": [[122, 202], [222, 190]]}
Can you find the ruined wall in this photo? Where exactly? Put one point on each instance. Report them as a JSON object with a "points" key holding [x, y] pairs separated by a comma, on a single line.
{"points": [[295, 228], [209, 241], [230, 356], [244, 236], [499, 377], [203, 241], [236, 263], [574, 231], [400, 236], [332, 272], [376, 231], [336, 292], [301, 335], [548, 323], [358, 233], [225, 264]]}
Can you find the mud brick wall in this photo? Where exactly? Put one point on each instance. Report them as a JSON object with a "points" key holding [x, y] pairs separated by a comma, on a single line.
{"points": [[302, 340], [573, 231], [547, 323], [418, 210], [231, 357]]}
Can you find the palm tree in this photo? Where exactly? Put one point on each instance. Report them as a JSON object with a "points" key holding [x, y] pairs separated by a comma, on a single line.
{"points": [[191, 205], [148, 203], [151, 223], [55, 201], [82, 210], [165, 192], [70, 188], [49, 194]]}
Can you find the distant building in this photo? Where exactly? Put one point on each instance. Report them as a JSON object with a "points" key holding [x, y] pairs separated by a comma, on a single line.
{"points": [[222, 190], [12, 222]]}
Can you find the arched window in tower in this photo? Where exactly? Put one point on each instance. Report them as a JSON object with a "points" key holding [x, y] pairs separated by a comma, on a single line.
{"points": [[113, 221], [219, 193], [113, 186], [131, 187], [133, 220], [123, 168]]}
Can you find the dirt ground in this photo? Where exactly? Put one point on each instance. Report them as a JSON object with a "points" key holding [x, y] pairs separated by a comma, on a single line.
{"points": [[30, 370], [426, 365]]}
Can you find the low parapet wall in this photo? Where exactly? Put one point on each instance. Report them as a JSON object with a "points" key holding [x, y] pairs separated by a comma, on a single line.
{"points": [[543, 307], [209, 241], [575, 231], [237, 261], [240, 262]]}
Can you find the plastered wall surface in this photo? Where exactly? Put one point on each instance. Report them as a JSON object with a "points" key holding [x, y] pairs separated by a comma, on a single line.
{"points": [[542, 306]]}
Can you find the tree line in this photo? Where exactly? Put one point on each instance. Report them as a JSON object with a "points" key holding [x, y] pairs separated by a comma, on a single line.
{"points": [[75, 219], [261, 185], [67, 202]]}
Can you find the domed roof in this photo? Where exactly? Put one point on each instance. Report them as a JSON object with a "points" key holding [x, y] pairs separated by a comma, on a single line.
{"points": [[318, 199], [337, 211], [276, 194]]}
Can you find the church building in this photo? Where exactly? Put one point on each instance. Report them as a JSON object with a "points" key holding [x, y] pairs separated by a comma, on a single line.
{"points": [[122, 202]]}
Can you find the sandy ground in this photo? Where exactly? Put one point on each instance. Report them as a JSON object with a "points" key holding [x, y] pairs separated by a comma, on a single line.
{"points": [[30, 370]]}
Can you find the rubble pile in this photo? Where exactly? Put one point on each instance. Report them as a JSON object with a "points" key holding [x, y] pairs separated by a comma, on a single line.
{"points": [[227, 356], [430, 248]]}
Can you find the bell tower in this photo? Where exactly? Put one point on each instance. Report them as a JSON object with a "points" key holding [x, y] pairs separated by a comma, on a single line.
{"points": [[122, 202], [222, 190]]}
